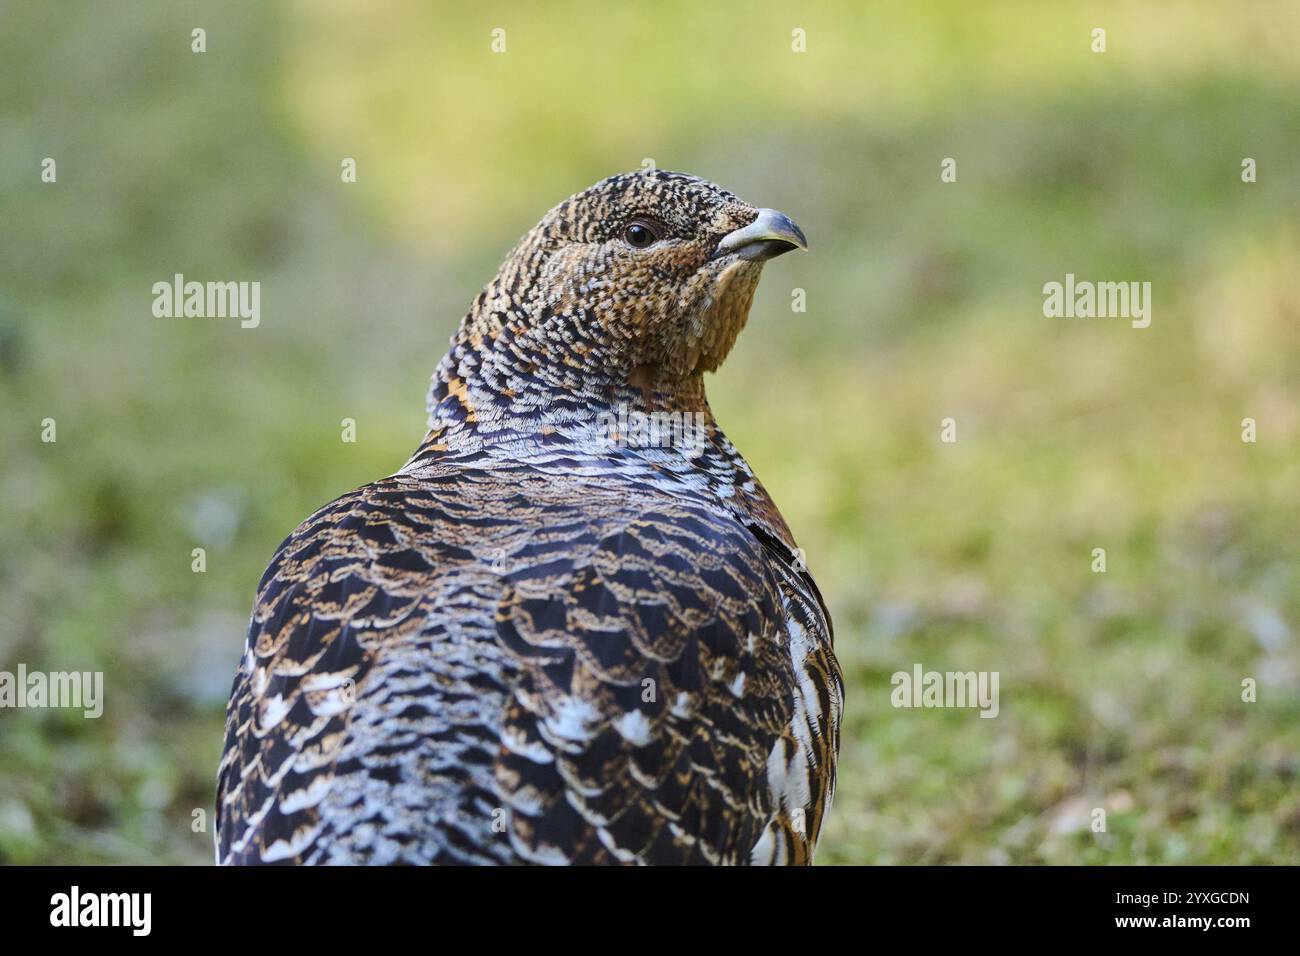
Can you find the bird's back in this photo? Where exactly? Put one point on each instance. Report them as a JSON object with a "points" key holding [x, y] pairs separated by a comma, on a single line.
{"points": [[486, 664]]}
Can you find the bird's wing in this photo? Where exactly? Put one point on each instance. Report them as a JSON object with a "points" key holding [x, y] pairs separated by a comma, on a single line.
{"points": [[349, 590], [801, 773], [656, 690], [608, 680]]}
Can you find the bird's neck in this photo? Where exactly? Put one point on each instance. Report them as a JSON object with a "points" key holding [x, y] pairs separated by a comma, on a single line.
{"points": [[495, 402], [545, 375], [478, 400]]}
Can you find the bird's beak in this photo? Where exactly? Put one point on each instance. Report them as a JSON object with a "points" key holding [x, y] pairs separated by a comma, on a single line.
{"points": [[768, 236]]}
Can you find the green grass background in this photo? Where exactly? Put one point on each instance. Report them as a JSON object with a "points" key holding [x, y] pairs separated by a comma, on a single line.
{"points": [[1119, 690]]}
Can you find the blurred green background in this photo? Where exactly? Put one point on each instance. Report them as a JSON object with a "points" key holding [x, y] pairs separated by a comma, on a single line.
{"points": [[1119, 690]]}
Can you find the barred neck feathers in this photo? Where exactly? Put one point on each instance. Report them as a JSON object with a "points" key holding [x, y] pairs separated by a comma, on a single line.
{"points": [[616, 303]]}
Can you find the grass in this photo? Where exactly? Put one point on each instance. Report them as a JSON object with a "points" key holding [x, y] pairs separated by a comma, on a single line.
{"points": [[1120, 691]]}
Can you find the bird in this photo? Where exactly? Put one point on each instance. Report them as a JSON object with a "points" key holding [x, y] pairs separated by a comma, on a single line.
{"points": [[573, 628]]}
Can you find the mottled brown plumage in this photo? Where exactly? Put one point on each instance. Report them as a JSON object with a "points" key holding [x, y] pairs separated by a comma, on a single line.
{"points": [[552, 636]]}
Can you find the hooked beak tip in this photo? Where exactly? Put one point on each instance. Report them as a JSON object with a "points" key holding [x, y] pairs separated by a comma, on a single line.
{"points": [[771, 234]]}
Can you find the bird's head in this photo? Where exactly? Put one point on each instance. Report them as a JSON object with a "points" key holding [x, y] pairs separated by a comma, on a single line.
{"points": [[645, 277]]}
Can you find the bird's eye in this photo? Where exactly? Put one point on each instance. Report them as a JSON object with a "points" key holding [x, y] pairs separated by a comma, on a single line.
{"points": [[639, 233]]}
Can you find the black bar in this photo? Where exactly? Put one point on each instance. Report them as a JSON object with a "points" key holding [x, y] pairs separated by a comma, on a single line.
{"points": [[333, 905]]}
